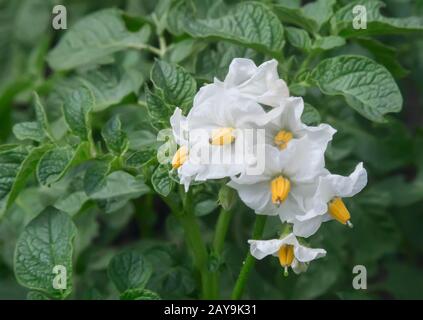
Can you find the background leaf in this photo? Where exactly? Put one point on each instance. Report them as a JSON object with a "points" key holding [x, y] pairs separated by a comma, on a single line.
{"points": [[129, 270], [367, 86], [115, 138], [94, 37], [45, 243], [250, 23]]}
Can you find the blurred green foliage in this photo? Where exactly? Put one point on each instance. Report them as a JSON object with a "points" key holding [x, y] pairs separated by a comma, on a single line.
{"points": [[388, 214]]}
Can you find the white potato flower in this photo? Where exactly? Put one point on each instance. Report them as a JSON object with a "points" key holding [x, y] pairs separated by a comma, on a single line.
{"points": [[283, 125], [324, 201], [289, 251], [279, 190], [260, 84], [213, 137]]}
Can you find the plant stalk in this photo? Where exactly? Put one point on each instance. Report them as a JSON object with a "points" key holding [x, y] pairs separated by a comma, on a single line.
{"points": [[222, 226], [249, 261], [195, 242]]}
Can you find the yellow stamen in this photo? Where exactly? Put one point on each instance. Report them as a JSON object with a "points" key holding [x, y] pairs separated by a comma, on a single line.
{"points": [[282, 138], [339, 211], [286, 256], [280, 188], [222, 136], [180, 157]]}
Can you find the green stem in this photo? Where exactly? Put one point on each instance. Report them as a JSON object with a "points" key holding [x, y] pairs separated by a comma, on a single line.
{"points": [[162, 45], [147, 47], [249, 260], [198, 248], [221, 230], [306, 62], [222, 226], [194, 241]]}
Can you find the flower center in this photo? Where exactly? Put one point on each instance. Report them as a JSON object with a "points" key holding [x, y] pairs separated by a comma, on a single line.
{"points": [[286, 256], [339, 211], [222, 136], [282, 138], [280, 188], [180, 157]]}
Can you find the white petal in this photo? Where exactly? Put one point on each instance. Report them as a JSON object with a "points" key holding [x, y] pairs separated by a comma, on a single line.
{"points": [[306, 161], [334, 185], [290, 239], [222, 110], [304, 254], [262, 248], [240, 71], [308, 227], [179, 127], [256, 196], [260, 84], [322, 134], [299, 267], [289, 208]]}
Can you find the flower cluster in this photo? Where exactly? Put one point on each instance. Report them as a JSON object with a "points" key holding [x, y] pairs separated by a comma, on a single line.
{"points": [[249, 121]]}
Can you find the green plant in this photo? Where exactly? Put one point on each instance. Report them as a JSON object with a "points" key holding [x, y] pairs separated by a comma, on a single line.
{"points": [[84, 112]]}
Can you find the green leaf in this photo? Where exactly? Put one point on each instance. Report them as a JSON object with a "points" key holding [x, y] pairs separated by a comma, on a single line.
{"points": [[311, 17], [76, 109], [56, 162], [158, 110], [367, 86], [328, 43], [140, 158], [94, 37], [28, 131], [108, 84], [17, 166], [139, 294], [161, 181], [121, 184], [129, 270], [35, 295], [115, 138], [46, 242], [95, 176], [385, 55], [205, 207], [177, 85], [298, 38], [377, 24], [41, 116], [184, 49], [295, 16], [250, 24], [38, 130], [310, 116], [72, 203], [215, 63], [320, 11]]}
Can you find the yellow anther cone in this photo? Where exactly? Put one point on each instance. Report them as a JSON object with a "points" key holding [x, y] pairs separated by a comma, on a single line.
{"points": [[222, 136], [180, 157], [339, 211], [286, 257], [282, 138], [280, 188]]}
